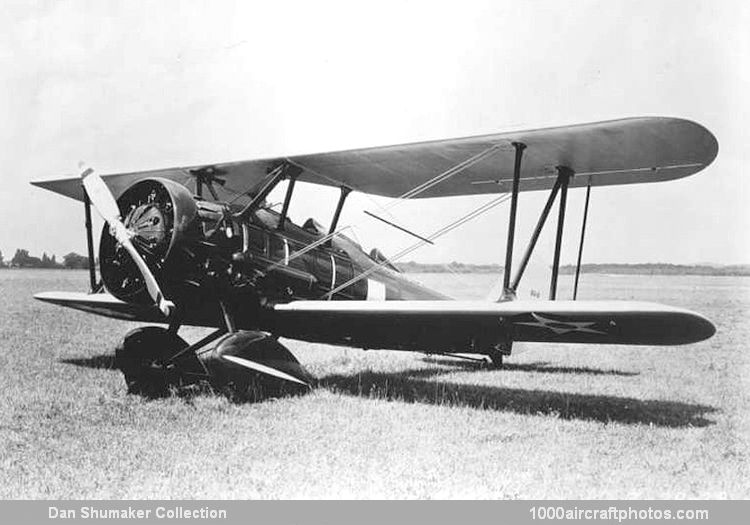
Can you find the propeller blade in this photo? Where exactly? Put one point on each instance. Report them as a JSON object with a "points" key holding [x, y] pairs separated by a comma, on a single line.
{"points": [[263, 369], [106, 205], [100, 196]]}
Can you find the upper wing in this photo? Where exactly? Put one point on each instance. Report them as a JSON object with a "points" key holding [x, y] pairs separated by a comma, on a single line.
{"points": [[627, 151], [451, 325]]}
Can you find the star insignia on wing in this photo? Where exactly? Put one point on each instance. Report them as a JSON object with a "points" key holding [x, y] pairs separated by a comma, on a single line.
{"points": [[563, 327]]}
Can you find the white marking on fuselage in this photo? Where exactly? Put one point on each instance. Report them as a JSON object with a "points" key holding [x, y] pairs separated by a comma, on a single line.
{"points": [[333, 272], [286, 252], [375, 290]]}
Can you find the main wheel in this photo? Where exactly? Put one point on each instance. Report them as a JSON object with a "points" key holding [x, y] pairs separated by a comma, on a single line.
{"points": [[145, 358]]}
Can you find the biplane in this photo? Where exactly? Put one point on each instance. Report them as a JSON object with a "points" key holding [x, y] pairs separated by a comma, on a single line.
{"points": [[201, 246]]}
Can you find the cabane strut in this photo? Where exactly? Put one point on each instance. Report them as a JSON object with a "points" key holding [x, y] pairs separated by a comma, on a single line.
{"points": [[345, 191], [208, 176], [287, 199], [275, 176]]}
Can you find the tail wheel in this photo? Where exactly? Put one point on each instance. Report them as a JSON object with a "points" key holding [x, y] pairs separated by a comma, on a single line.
{"points": [[145, 358]]}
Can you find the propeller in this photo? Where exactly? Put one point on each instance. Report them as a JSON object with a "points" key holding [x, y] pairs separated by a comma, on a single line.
{"points": [[263, 369], [106, 205]]}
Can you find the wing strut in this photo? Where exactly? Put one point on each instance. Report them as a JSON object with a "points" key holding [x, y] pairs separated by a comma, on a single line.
{"points": [[507, 291], [580, 246], [535, 235], [564, 175]]}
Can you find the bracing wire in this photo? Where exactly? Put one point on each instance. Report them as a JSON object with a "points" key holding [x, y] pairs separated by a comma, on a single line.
{"points": [[439, 233], [412, 193], [458, 168], [443, 176]]}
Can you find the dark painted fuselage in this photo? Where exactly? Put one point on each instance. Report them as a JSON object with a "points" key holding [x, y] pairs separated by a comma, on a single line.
{"points": [[334, 266], [218, 261]]}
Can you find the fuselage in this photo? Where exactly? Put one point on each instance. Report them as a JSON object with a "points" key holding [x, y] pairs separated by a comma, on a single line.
{"points": [[318, 268], [212, 257]]}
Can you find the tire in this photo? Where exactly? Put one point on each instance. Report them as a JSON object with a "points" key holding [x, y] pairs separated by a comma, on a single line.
{"points": [[144, 359]]}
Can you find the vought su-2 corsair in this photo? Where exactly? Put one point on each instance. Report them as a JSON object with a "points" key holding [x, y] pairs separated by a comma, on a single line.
{"points": [[204, 257]]}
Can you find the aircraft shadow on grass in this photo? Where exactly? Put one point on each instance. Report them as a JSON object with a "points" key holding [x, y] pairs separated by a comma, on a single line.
{"points": [[107, 361], [416, 386], [103, 361], [540, 367]]}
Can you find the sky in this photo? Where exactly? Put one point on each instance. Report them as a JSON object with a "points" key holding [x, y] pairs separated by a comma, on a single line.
{"points": [[136, 85]]}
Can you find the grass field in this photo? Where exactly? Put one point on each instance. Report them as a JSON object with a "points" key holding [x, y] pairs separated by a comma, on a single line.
{"points": [[558, 422]]}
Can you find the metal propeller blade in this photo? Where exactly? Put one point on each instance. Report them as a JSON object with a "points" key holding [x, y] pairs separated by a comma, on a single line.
{"points": [[263, 369], [106, 205]]}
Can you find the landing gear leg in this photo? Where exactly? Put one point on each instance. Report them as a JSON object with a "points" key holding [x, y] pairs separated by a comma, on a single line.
{"points": [[252, 365], [497, 352], [496, 360]]}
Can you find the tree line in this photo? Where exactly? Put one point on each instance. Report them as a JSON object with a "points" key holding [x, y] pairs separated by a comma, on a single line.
{"points": [[612, 268], [22, 259]]}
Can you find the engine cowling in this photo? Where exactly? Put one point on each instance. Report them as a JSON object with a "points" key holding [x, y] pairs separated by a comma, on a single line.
{"points": [[163, 219]]}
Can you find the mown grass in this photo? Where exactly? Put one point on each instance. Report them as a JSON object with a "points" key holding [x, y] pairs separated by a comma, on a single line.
{"points": [[557, 422]]}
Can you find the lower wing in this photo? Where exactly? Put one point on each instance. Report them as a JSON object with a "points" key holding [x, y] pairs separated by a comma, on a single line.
{"points": [[443, 325], [103, 304], [456, 324]]}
